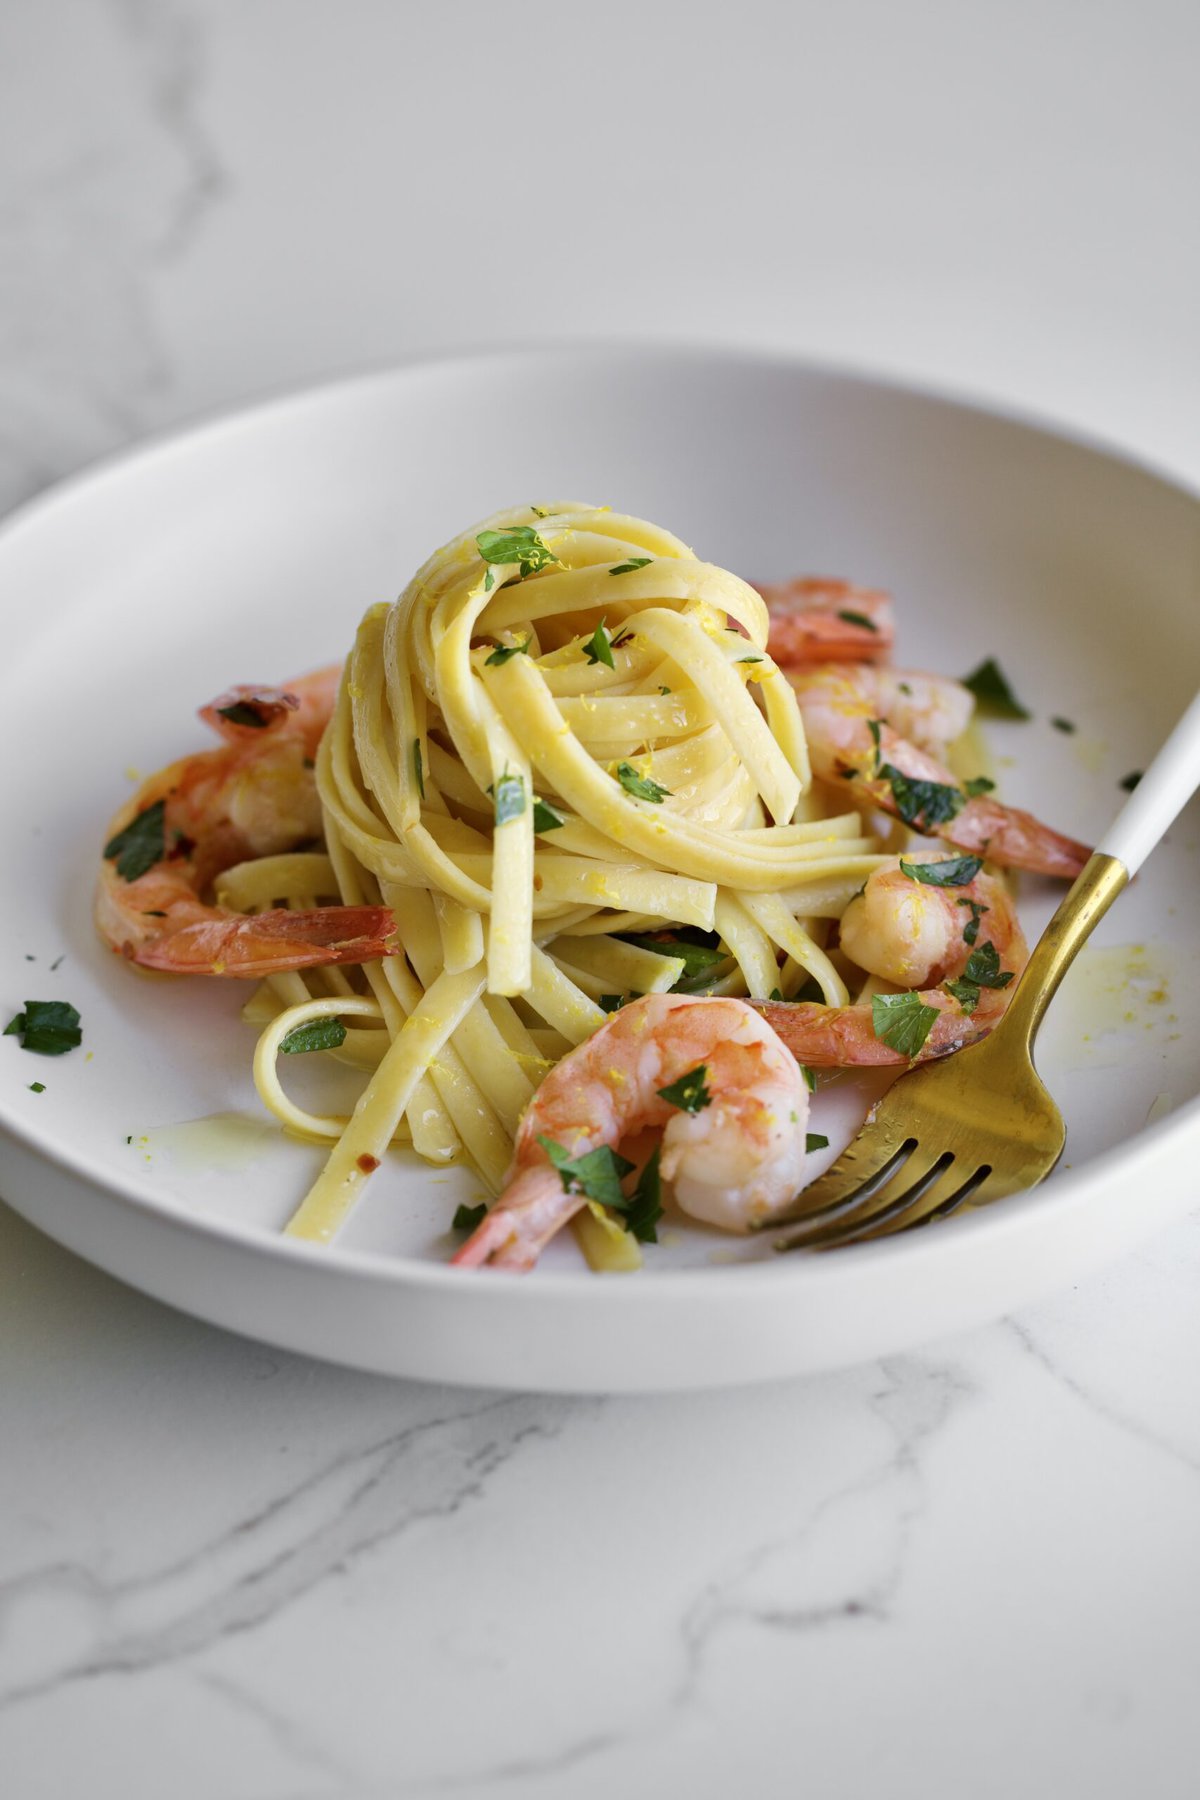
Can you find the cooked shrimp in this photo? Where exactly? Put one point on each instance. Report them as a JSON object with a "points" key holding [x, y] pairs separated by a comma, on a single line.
{"points": [[844, 705], [734, 1161], [254, 796], [914, 936], [816, 618]]}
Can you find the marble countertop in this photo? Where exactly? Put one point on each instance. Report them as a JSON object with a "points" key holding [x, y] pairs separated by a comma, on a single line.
{"points": [[227, 1571]]}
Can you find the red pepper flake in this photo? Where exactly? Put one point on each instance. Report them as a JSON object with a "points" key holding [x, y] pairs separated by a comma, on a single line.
{"points": [[367, 1163]]}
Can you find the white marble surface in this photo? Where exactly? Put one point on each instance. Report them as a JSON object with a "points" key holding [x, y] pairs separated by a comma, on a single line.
{"points": [[228, 1572]]}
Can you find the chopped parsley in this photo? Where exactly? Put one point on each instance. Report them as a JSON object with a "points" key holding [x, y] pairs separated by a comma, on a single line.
{"points": [[1130, 781], [597, 1174], [991, 688], [418, 770], [1067, 725], [690, 1093], [141, 844], [982, 970], [816, 1140], [644, 1208], [857, 618], [902, 1021], [521, 545], [49, 1027], [971, 931], [955, 871], [502, 652], [978, 784], [664, 690], [810, 1077], [700, 952], [640, 786], [247, 712], [37, 1087], [748, 659], [627, 568], [598, 648], [466, 1218], [874, 727], [611, 1003], [315, 1034], [545, 818], [509, 795], [922, 804]]}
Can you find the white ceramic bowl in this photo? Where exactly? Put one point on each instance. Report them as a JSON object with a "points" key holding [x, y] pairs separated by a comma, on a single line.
{"points": [[247, 550]]}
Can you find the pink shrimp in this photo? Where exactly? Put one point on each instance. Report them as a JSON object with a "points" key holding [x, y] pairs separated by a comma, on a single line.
{"points": [[915, 936], [733, 1146], [844, 706], [816, 618], [254, 796]]}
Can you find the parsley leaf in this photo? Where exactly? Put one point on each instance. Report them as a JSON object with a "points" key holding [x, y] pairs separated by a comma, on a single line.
{"points": [[902, 1021], [956, 871], [857, 618], [748, 659], [644, 1208], [873, 726], [810, 1077], [1130, 781], [598, 648], [990, 686], [49, 1027], [611, 1003], [597, 1174], [978, 784], [627, 568], [816, 1140], [1066, 725], [141, 844], [314, 1034], [689, 1093], [502, 652], [701, 954], [983, 968], [520, 544], [640, 786], [37, 1087], [544, 816], [509, 794], [922, 803], [244, 712], [966, 993], [466, 1218], [971, 931]]}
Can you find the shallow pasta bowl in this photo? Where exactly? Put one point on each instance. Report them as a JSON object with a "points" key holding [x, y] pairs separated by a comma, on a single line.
{"points": [[248, 549]]}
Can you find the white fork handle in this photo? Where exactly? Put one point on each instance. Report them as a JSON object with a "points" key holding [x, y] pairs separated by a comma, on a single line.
{"points": [[1159, 797]]}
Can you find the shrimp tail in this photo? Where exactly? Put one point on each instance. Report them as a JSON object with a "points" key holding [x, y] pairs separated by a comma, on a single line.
{"points": [[817, 619], [246, 712], [257, 944], [840, 1037], [515, 1232], [1016, 839]]}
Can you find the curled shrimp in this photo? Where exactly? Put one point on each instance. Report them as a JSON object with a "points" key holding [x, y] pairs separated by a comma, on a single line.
{"points": [[253, 796], [735, 1161], [915, 936], [858, 719], [816, 619]]}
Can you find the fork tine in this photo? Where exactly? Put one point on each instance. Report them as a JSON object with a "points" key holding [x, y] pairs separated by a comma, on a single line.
{"points": [[844, 1186], [897, 1215], [898, 1185]]}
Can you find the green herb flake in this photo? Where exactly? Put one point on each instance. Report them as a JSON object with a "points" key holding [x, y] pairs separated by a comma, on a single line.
{"points": [[509, 795], [521, 545], [245, 712], [810, 1077], [902, 1021], [627, 568], [1130, 781], [689, 1093], [597, 1174], [545, 818], [644, 1208], [641, 786], [990, 686], [37, 1087], [314, 1034], [816, 1140], [922, 804], [418, 768], [700, 957], [874, 726], [983, 968], [1067, 725], [598, 648], [857, 618], [904, 688], [971, 930], [978, 784], [955, 871], [664, 690], [466, 1218], [775, 994], [503, 651], [141, 844], [611, 1003], [748, 659], [966, 993], [48, 1027]]}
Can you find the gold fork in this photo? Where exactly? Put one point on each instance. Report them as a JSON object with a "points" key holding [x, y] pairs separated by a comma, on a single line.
{"points": [[981, 1124]]}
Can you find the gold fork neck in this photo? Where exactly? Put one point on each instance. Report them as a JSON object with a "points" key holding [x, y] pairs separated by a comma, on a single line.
{"points": [[1096, 887]]}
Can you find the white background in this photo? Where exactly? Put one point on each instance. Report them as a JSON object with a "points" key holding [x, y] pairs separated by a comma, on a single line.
{"points": [[226, 1571]]}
